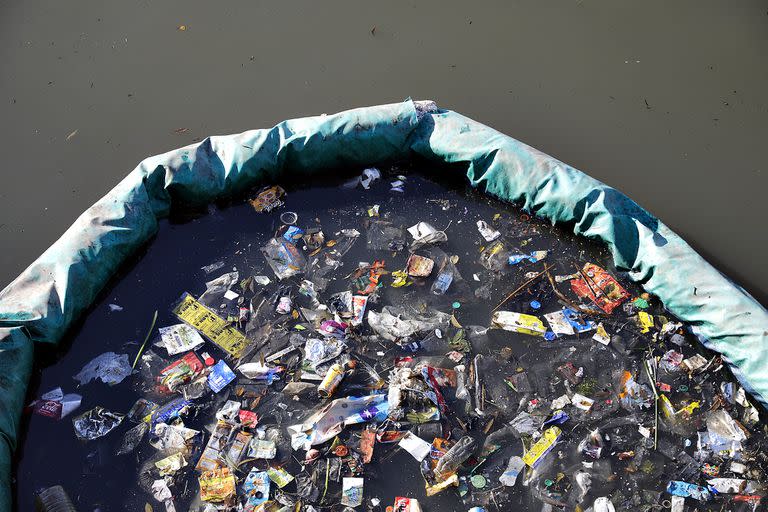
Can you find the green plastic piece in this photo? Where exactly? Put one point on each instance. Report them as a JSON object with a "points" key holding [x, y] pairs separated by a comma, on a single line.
{"points": [[478, 481]]}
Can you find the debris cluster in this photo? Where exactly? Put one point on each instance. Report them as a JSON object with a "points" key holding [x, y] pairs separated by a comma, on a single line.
{"points": [[522, 372]]}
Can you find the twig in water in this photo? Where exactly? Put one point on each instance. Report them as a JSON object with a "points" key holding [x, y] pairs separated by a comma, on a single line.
{"points": [[522, 287], [570, 303]]}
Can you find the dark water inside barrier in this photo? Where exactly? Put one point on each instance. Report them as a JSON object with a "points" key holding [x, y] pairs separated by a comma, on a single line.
{"points": [[97, 479]]}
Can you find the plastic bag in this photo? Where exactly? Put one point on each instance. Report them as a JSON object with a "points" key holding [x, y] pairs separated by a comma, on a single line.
{"points": [[111, 368], [514, 467], [456, 456], [332, 418], [425, 234], [284, 258], [400, 325], [382, 235], [218, 290], [132, 438]]}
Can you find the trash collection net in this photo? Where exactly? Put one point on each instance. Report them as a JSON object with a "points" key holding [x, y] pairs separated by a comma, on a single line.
{"points": [[381, 340]]}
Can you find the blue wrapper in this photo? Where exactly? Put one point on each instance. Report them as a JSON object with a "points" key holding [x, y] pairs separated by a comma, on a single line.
{"points": [[293, 233], [558, 418], [686, 490], [220, 376], [169, 411], [573, 318], [256, 487]]}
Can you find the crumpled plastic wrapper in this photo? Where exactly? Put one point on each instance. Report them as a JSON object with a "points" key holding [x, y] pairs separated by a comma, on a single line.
{"points": [[217, 485], [171, 437], [217, 289], [163, 494], [399, 324], [171, 464], [132, 438], [56, 404], [96, 423]]}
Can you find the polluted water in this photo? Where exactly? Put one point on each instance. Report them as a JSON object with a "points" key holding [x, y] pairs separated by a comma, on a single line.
{"points": [[383, 343]]}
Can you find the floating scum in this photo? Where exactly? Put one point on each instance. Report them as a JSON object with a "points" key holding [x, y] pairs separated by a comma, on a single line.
{"points": [[42, 303]]}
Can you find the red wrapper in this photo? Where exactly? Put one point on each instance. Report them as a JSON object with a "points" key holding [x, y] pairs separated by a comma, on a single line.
{"points": [[600, 287], [367, 441], [248, 418]]}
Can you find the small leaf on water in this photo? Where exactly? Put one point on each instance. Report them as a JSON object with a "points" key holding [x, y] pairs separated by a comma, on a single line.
{"points": [[147, 508]]}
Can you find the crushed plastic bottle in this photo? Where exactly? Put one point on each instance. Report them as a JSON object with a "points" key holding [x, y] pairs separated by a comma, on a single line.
{"points": [[514, 467], [54, 499]]}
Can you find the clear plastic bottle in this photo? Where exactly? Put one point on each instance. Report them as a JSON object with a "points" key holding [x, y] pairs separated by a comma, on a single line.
{"points": [[514, 467], [54, 499], [454, 457], [443, 281]]}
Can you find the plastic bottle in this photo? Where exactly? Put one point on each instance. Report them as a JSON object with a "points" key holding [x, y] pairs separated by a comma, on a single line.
{"points": [[368, 374], [496, 439], [461, 386], [54, 499], [514, 467], [331, 381], [443, 281], [454, 457]]}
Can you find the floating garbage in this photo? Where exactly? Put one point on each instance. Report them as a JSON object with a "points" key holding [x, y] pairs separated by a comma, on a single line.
{"points": [[488, 233], [179, 338], [54, 499], [268, 199], [369, 176], [96, 423], [55, 404], [315, 369]]}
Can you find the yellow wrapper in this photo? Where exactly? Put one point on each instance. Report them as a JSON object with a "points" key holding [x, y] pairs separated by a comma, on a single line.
{"points": [[452, 480], [518, 322], [399, 278], [666, 407], [171, 464], [211, 325], [217, 486], [542, 447], [645, 320], [280, 476], [430, 414], [688, 409]]}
